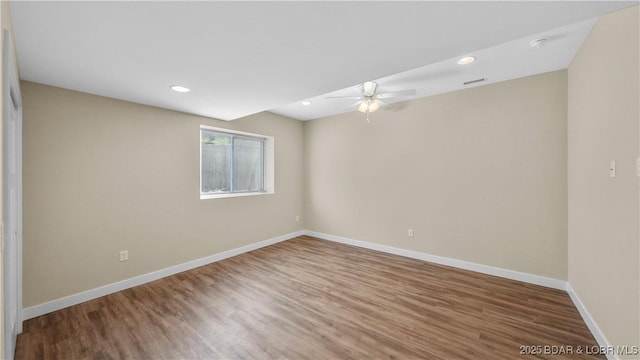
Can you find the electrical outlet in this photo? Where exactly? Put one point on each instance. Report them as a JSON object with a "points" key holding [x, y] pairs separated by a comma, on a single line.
{"points": [[124, 255], [410, 232]]}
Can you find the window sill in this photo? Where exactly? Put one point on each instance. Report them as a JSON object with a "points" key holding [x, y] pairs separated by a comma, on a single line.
{"points": [[223, 196]]}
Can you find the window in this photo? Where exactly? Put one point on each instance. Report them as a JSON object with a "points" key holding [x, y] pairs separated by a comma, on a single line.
{"points": [[234, 163]]}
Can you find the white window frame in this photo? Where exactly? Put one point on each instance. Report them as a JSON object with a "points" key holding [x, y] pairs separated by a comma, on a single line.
{"points": [[268, 165]]}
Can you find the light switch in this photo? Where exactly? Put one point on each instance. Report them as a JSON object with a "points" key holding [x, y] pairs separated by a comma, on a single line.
{"points": [[612, 168]]}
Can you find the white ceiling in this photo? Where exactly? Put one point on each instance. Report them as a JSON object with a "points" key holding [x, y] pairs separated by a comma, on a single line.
{"points": [[241, 58]]}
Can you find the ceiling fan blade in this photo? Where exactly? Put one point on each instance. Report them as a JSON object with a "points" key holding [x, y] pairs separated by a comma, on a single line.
{"points": [[384, 105], [343, 97], [353, 106], [391, 94]]}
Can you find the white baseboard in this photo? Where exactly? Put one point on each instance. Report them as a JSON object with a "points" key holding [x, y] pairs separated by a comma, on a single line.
{"points": [[485, 269], [78, 298], [591, 323]]}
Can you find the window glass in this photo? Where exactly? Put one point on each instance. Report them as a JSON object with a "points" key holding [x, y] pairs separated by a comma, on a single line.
{"points": [[230, 163], [247, 164]]}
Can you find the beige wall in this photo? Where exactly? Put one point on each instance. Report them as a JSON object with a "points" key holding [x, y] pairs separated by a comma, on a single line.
{"points": [[479, 174], [603, 212], [103, 175]]}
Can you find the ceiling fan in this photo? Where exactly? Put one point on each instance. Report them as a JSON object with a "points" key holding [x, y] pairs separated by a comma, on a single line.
{"points": [[371, 100]]}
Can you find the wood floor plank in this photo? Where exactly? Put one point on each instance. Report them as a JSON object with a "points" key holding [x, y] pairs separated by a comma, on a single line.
{"points": [[307, 298]]}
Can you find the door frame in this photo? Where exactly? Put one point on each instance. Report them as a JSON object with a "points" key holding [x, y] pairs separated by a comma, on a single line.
{"points": [[12, 110]]}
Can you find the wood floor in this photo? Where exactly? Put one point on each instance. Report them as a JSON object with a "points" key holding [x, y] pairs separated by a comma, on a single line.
{"points": [[312, 299]]}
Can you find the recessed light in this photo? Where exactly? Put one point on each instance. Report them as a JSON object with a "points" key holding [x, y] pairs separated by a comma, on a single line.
{"points": [[179, 88], [306, 103], [466, 60], [537, 44]]}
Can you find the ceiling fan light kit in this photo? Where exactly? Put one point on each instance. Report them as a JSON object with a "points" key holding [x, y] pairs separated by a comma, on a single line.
{"points": [[368, 106]]}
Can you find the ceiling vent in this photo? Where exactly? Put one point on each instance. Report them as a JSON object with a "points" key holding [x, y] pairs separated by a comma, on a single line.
{"points": [[474, 81]]}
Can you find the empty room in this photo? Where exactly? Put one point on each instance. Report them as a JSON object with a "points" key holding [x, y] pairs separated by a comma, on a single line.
{"points": [[320, 180]]}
